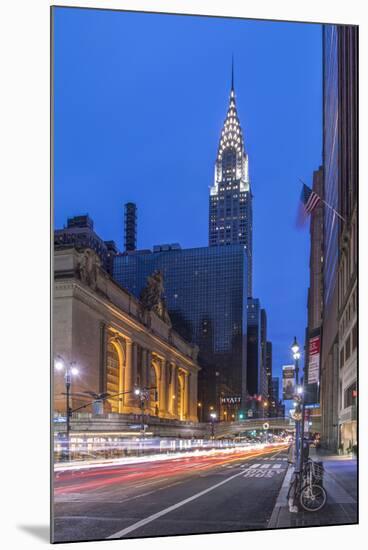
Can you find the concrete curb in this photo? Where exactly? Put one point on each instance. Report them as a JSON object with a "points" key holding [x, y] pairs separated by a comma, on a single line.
{"points": [[281, 501]]}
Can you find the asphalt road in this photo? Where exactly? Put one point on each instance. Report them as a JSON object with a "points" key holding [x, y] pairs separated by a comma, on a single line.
{"points": [[211, 494]]}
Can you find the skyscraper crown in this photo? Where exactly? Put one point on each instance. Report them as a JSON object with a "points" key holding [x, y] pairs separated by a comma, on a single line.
{"points": [[231, 134]]}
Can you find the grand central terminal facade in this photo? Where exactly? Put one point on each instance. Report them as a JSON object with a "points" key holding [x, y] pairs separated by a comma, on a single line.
{"points": [[120, 349]]}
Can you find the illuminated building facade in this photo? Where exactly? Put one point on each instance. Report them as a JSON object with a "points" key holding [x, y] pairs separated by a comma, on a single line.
{"points": [[338, 390], [348, 238], [118, 345], [230, 202]]}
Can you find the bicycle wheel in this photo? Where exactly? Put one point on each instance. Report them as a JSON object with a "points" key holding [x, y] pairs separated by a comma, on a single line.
{"points": [[313, 498]]}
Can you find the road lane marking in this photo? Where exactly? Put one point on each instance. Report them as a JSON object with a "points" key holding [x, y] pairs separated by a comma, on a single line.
{"points": [[261, 473], [255, 466], [152, 517], [276, 466], [265, 465]]}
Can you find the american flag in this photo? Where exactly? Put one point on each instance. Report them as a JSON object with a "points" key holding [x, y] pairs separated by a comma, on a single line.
{"points": [[310, 199]]}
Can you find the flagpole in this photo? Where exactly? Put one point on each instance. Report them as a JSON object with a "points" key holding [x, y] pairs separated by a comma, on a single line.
{"points": [[326, 203], [334, 210]]}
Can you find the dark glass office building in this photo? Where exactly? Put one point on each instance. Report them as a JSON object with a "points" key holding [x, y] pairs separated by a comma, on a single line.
{"points": [[254, 377], [206, 296]]}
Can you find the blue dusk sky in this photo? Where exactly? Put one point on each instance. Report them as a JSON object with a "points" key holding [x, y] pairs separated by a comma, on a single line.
{"points": [[140, 100]]}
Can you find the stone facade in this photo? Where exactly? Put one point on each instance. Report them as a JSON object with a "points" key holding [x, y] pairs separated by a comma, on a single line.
{"points": [[117, 345]]}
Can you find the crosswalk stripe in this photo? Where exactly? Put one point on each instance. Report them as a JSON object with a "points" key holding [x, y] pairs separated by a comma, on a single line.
{"points": [[255, 466], [276, 466], [265, 465]]}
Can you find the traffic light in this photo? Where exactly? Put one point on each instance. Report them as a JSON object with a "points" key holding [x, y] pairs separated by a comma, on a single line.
{"points": [[241, 416]]}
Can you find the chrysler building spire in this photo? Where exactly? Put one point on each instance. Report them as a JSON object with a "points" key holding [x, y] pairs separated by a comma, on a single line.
{"points": [[230, 195], [232, 74]]}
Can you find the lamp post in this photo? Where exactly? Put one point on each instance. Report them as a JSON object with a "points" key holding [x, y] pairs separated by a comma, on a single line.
{"points": [[70, 370], [213, 416], [296, 355], [200, 412], [143, 394]]}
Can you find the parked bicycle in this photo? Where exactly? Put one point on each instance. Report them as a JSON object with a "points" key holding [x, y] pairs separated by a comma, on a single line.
{"points": [[307, 488]]}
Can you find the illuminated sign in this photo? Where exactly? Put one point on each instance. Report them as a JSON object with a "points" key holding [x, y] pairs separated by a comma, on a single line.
{"points": [[288, 382], [314, 356], [231, 400]]}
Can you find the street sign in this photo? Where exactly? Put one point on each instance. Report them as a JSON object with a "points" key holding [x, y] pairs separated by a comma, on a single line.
{"points": [[250, 413], [60, 419], [314, 356]]}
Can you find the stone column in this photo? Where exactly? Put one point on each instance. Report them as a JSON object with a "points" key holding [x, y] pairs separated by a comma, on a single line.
{"points": [[143, 368], [148, 368], [135, 364], [193, 405], [102, 358], [129, 373], [147, 380], [186, 395], [163, 388], [173, 397], [122, 370], [176, 388]]}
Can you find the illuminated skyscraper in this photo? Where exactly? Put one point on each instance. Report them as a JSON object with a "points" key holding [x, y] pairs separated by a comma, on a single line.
{"points": [[230, 216]]}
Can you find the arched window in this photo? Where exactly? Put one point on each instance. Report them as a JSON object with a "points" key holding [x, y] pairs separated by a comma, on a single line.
{"points": [[154, 392], [180, 411], [112, 374]]}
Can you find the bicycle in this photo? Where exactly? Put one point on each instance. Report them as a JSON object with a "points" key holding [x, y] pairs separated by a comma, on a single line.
{"points": [[306, 487]]}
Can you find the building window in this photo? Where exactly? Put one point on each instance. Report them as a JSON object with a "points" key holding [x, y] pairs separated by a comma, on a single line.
{"points": [[347, 348], [355, 336], [349, 395], [112, 372]]}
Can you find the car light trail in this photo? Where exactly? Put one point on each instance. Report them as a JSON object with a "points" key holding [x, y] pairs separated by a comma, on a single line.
{"points": [[78, 481]]}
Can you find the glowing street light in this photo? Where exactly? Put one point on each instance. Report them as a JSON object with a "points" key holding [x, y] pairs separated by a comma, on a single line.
{"points": [[70, 371], [295, 346], [299, 409], [200, 412], [213, 416]]}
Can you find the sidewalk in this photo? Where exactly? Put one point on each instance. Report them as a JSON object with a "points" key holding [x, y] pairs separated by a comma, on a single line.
{"points": [[340, 482]]}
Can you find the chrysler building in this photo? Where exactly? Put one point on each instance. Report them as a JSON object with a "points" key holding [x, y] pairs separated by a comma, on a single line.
{"points": [[230, 216]]}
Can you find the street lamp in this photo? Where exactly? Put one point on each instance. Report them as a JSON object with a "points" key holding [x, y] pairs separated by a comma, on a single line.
{"points": [[70, 370], [295, 346], [200, 412], [143, 394], [213, 416], [298, 404]]}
